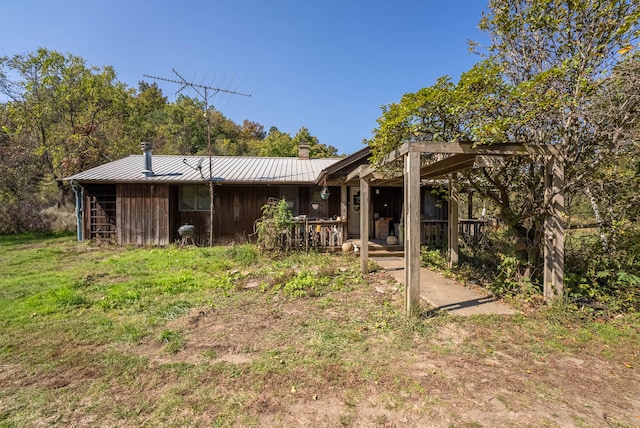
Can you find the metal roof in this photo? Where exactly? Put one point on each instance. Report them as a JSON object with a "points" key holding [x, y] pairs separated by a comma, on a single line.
{"points": [[225, 169]]}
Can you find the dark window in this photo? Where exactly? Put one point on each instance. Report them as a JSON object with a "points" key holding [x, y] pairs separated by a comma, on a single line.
{"points": [[194, 198]]}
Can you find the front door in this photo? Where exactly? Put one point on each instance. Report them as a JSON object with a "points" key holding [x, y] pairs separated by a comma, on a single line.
{"points": [[354, 212]]}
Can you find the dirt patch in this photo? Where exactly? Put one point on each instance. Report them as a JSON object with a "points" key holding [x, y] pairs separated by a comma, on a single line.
{"points": [[457, 373], [347, 357]]}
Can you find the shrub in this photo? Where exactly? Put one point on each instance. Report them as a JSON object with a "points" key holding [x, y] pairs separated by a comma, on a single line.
{"points": [[274, 226]]}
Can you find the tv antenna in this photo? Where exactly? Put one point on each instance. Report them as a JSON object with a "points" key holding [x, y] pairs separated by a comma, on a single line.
{"points": [[205, 92]]}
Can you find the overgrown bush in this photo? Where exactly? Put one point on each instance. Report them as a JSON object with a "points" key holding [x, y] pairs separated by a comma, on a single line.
{"points": [[594, 276], [274, 227], [608, 276]]}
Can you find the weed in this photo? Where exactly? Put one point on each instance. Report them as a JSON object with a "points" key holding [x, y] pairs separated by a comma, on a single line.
{"points": [[133, 333], [433, 258], [173, 340], [120, 296], [71, 299], [174, 310], [244, 255]]}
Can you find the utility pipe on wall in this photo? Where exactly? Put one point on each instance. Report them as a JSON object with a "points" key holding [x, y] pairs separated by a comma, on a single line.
{"points": [[79, 191]]}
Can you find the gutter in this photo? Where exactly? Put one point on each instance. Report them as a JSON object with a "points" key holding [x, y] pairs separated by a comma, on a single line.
{"points": [[79, 191]]}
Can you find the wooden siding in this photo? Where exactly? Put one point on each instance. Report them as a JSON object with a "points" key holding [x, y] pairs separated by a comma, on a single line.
{"points": [[99, 212], [142, 214], [148, 214], [236, 210]]}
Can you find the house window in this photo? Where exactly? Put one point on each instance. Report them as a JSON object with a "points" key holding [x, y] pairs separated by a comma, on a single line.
{"points": [[194, 198], [290, 193]]}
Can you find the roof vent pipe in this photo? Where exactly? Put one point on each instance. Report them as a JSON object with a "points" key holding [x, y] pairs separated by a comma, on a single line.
{"points": [[147, 149]]}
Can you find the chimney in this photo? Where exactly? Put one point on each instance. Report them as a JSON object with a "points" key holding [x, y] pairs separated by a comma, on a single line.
{"points": [[146, 149], [303, 151]]}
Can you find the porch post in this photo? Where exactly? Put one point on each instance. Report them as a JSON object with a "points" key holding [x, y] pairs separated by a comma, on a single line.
{"points": [[412, 231], [453, 220], [364, 225], [554, 229], [343, 202]]}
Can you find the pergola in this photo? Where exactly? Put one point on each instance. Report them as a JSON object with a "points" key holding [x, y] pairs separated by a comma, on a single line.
{"points": [[462, 156]]}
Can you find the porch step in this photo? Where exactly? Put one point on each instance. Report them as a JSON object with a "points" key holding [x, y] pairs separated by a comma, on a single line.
{"points": [[386, 253], [377, 249]]}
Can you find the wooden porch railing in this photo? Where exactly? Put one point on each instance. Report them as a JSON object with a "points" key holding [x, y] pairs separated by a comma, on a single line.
{"points": [[434, 232], [318, 233]]}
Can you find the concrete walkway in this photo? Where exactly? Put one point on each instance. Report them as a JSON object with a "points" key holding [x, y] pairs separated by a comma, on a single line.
{"points": [[443, 293]]}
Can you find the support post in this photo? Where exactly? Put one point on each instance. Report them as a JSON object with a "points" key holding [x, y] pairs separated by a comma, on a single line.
{"points": [[364, 224], [412, 231], [453, 220], [554, 229], [343, 202]]}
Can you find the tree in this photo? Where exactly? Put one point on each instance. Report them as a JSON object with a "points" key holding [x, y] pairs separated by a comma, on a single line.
{"points": [[276, 143], [281, 144], [72, 113], [147, 117], [535, 85], [21, 201]]}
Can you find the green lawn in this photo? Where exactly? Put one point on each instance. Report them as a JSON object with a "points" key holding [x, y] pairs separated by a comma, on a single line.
{"points": [[96, 335]]}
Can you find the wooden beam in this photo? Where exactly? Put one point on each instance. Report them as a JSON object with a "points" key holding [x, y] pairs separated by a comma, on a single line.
{"points": [[493, 149], [446, 166], [355, 173], [453, 220], [364, 171], [554, 229], [490, 161], [395, 154], [365, 207], [412, 232]]}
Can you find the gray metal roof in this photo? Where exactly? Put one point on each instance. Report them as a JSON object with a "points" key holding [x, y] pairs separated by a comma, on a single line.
{"points": [[225, 169]]}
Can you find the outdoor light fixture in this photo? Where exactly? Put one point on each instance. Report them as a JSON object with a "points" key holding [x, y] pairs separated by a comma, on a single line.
{"points": [[315, 205]]}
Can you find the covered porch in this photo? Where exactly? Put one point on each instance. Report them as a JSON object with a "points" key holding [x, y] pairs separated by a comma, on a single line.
{"points": [[449, 159]]}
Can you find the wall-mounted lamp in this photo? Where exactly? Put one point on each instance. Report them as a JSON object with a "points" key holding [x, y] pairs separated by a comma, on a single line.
{"points": [[315, 205]]}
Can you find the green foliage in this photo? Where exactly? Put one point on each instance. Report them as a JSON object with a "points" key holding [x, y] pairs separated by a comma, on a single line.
{"points": [[546, 78], [608, 280], [279, 144], [306, 284], [274, 227], [245, 255], [173, 340], [509, 281], [433, 257]]}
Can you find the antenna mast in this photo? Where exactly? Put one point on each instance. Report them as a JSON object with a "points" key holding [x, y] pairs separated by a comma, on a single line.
{"points": [[203, 92]]}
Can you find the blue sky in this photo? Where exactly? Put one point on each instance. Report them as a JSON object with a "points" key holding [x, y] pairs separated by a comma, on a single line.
{"points": [[328, 65]]}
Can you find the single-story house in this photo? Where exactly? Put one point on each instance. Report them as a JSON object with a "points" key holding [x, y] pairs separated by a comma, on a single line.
{"points": [[144, 199]]}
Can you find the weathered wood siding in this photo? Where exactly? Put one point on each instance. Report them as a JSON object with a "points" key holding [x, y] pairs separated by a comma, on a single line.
{"points": [[99, 215], [237, 208], [142, 212]]}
